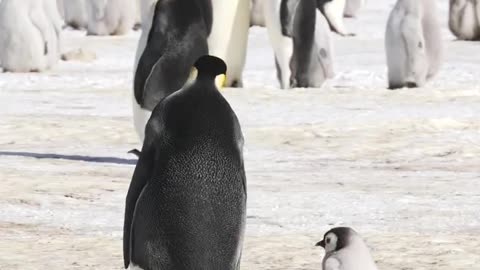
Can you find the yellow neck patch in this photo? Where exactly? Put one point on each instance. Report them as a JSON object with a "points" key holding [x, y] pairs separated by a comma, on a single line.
{"points": [[220, 80]]}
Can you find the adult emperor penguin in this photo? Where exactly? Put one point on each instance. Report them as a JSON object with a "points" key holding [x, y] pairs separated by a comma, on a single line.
{"points": [[352, 7], [76, 13], [24, 32], [229, 36], [333, 10], [301, 41], [186, 205], [176, 38], [111, 17], [464, 19], [345, 250], [413, 43]]}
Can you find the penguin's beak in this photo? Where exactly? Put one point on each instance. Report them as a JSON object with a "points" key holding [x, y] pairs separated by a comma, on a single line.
{"points": [[321, 244], [220, 81]]}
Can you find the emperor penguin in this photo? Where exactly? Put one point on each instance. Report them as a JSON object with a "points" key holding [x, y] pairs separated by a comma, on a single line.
{"points": [[345, 250], [464, 19], [110, 17], [229, 36], [24, 33], [171, 42], [186, 204], [300, 37], [413, 43], [76, 13], [352, 7], [333, 11]]}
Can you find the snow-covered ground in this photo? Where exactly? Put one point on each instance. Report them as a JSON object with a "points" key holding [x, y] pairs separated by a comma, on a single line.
{"points": [[401, 167]]}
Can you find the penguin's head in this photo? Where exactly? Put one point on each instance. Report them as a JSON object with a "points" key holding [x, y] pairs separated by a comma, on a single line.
{"points": [[209, 68], [336, 239]]}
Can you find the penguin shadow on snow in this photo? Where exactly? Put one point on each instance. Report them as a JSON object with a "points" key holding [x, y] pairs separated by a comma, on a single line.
{"points": [[93, 159]]}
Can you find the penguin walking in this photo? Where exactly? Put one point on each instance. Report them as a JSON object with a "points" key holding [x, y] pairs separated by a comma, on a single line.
{"points": [[345, 250], [25, 32], [186, 205], [333, 10], [301, 40], [413, 43], [464, 19], [173, 37]]}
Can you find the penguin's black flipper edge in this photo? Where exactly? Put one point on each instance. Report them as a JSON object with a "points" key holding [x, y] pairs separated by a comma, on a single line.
{"points": [[143, 172], [135, 151]]}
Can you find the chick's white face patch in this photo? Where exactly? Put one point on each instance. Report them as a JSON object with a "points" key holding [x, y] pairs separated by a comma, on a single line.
{"points": [[330, 242]]}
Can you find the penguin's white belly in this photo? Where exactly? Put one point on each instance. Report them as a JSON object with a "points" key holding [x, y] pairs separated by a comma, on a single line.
{"points": [[140, 118], [282, 45], [228, 39]]}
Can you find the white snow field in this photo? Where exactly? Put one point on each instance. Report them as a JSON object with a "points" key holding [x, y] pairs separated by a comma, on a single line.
{"points": [[401, 167]]}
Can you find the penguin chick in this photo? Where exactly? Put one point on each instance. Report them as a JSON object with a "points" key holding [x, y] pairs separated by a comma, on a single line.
{"points": [[345, 250]]}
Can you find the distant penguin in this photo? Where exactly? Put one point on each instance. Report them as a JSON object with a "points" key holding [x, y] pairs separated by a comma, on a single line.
{"points": [[229, 36], [257, 13], [110, 17], [413, 43], [333, 10], [352, 7], [186, 204], [24, 33], [300, 37], [76, 13], [55, 35], [464, 19], [167, 50], [345, 250]]}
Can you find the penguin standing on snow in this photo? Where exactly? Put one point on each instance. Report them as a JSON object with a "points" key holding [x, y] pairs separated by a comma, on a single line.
{"points": [[111, 17], [464, 19], [186, 205], [345, 250], [25, 31], [300, 37], [174, 36], [413, 43]]}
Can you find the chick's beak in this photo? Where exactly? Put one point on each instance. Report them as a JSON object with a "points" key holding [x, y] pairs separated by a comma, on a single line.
{"points": [[321, 244], [220, 81]]}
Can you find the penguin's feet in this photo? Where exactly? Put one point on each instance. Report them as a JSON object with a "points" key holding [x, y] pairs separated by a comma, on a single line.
{"points": [[411, 85], [237, 84]]}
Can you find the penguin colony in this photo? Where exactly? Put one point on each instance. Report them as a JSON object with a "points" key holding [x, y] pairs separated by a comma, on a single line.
{"points": [[186, 204]]}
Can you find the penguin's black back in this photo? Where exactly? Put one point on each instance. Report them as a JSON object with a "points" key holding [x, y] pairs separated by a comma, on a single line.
{"points": [[178, 37], [191, 210]]}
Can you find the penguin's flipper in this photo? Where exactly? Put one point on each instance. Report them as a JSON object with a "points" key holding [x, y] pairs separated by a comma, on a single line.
{"points": [[417, 66], [334, 14], [141, 175]]}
